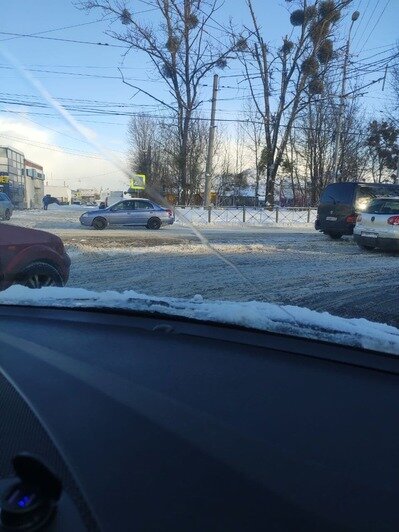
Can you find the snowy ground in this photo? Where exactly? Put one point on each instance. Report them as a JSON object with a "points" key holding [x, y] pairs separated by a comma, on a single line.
{"points": [[290, 265]]}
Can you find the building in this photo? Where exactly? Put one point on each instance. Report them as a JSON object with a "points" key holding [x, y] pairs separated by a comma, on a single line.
{"points": [[22, 180], [62, 193], [12, 178], [34, 185], [83, 195]]}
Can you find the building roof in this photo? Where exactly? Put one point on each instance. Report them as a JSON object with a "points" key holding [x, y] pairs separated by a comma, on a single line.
{"points": [[13, 149], [33, 165]]}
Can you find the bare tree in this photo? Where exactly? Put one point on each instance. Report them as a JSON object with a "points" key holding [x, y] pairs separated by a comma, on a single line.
{"points": [[290, 76], [382, 142], [255, 141], [154, 151], [394, 79], [182, 49], [314, 142]]}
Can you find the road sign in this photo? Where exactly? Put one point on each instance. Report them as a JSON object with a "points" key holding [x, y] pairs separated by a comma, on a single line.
{"points": [[137, 182]]}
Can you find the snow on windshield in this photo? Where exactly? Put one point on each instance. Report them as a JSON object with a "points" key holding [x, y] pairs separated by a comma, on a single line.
{"points": [[256, 315]]}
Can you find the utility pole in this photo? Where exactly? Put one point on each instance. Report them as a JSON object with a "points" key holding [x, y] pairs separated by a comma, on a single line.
{"points": [[355, 16], [209, 166]]}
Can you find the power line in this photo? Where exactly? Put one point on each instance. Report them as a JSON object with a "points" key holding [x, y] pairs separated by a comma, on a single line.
{"points": [[52, 147], [75, 41], [60, 132], [220, 120], [105, 103], [86, 66], [375, 25], [368, 22], [78, 74], [54, 29], [364, 13]]}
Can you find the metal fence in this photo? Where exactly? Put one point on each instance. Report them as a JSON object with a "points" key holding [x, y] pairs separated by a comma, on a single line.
{"points": [[247, 215]]}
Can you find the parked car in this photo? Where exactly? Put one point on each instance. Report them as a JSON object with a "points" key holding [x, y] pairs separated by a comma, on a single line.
{"points": [[378, 225], [136, 211], [32, 258], [6, 207], [340, 203]]}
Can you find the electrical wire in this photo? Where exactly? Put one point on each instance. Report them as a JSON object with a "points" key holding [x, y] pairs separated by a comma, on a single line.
{"points": [[54, 29], [375, 25], [75, 41], [368, 22]]}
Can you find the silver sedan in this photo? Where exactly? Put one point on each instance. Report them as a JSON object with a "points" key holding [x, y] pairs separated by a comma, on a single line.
{"points": [[378, 226], [135, 211]]}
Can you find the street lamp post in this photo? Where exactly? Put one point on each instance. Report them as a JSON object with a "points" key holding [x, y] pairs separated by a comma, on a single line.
{"points": [[355, 16]]}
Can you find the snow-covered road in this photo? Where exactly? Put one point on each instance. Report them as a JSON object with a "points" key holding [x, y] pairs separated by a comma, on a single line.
{"points": [[277, 264]]}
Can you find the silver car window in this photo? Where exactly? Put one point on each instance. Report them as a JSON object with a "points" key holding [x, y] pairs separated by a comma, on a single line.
{"points": [[390, 207], [383, 206], [124, 206], [144, 205]]}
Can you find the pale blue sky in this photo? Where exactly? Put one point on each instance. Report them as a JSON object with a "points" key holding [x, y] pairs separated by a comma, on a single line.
{"points": [[377, 28]]}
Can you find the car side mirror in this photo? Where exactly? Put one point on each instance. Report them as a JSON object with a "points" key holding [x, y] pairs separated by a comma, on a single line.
{"points": [[102, 205]]}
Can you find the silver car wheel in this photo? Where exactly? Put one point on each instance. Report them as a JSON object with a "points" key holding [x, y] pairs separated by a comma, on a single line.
{"points": [[39, 281]]}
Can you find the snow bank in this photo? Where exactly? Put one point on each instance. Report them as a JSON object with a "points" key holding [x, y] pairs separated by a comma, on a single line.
{"points": [[292, 320]]}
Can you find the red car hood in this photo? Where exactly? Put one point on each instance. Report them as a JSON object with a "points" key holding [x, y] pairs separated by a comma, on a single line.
{"points": [[14, 235]]}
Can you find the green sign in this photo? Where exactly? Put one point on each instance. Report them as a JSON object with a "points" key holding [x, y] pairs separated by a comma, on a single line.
{"points": [[137, 182]]}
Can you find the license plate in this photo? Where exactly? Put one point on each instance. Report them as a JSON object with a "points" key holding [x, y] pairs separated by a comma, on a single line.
{"points": [[369, 235], [331, 218]]}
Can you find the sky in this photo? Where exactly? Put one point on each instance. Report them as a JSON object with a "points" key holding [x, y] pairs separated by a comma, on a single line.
{"points": [[72, 72]]}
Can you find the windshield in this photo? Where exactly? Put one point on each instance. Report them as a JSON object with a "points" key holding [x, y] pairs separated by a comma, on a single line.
{"points": [[366, 193], [383, 206], [160, 155]]}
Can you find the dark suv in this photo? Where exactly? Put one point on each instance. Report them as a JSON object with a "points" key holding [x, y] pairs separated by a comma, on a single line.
{"points": [[340, 203], [32, 258]]}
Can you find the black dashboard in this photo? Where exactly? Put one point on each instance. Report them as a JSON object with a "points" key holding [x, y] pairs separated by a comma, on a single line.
{"points": [[156, 424]]}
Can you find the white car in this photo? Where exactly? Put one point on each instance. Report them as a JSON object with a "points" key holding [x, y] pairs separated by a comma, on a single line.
{"points": [[378, 225]]}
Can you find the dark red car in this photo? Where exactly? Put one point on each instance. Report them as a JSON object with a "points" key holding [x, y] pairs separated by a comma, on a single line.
{"points": [[32, 258]]}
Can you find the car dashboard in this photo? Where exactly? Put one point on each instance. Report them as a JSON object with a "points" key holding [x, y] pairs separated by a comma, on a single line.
{"points": [[154, 424]]}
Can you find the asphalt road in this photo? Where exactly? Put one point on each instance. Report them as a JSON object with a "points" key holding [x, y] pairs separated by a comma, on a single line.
{"points": [[296, 266]]}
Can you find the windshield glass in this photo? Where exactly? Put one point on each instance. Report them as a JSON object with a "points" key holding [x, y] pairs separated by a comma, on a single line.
{"points": [[160, 155], [366, 193], [383, 206]]}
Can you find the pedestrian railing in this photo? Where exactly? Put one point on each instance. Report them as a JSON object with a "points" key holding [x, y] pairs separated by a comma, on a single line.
{"points": [[247, 215]]}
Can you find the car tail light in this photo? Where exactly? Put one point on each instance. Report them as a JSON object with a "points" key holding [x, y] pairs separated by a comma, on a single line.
{"points": [[351, 219], [393, 220], [359, 218]]}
